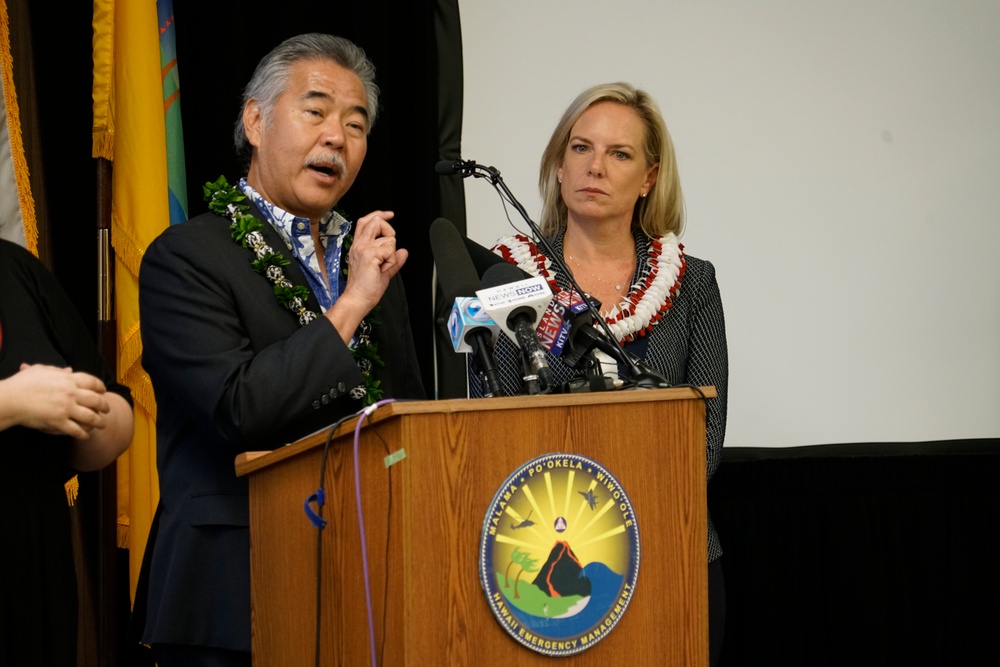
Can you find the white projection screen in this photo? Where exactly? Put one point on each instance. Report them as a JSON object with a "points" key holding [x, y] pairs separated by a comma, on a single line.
{"points": [[841, 169]]}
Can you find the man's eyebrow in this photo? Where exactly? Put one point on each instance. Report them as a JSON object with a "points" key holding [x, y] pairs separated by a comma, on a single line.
{"points": [[361, 110], [319, 94], [312, 94]]}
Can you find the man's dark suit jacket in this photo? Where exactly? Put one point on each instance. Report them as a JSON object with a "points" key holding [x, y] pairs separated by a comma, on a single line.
{"points": [[233, 371]]}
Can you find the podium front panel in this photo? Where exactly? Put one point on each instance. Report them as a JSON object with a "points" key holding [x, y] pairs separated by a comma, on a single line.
{"points": [[423, 516]]}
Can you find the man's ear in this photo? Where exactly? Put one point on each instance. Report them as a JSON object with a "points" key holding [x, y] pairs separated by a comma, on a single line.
{"points": [[253, 121]]}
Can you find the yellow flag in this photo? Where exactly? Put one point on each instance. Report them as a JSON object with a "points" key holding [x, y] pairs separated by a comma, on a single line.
{"points": [[129, 130]]}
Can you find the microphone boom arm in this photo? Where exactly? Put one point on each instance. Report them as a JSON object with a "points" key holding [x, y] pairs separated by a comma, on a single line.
{"points": [[643, 376]]}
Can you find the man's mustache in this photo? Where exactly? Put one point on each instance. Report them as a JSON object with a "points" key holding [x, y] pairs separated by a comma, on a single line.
{"points": [[330, 161]]}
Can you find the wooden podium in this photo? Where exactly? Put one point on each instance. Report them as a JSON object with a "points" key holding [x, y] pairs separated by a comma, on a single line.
{"points": [[424, 508]]}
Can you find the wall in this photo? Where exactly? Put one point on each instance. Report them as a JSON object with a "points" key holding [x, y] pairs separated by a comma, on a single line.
{"points": [[840, 164]]}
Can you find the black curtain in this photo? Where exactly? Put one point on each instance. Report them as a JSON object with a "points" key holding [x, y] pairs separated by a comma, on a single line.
{"points": [[859, 554]]}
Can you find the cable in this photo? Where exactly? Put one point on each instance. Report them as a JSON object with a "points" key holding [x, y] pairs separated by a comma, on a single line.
{"points": [[317, 519], [697, 389], [320, 523], [367, 412]]}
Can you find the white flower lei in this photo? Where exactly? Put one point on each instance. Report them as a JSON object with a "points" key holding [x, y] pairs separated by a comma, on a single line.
{"points": [[648, 299]]}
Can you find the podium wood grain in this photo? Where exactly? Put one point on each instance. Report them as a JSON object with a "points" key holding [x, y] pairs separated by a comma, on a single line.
{"points": [[423, 519]]}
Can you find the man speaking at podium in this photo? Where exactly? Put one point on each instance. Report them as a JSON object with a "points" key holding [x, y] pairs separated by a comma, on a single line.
{"points": [[263, 320]]}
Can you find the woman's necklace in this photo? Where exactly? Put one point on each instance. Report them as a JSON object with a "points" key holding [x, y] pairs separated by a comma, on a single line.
{"points": [[619, 285], [649, 298]]}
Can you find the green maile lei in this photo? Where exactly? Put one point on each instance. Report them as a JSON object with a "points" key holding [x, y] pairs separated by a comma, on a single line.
{"points": [[229, 202]]}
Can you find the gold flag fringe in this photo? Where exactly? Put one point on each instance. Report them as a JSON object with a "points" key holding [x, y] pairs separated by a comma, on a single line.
{"points": [[127, 251], [103, 140], [103, 143], [131, 373], [21, 175], [72, 490], [122, 536], [142, 389]]}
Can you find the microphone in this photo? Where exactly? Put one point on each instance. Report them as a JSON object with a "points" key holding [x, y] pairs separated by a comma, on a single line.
{"points": [[586, 337], [467, 318], [465, 168], [567, 310], [449, 167], [517, 305], [563, 312], [483, 258], [567, 332], [469, 326]]}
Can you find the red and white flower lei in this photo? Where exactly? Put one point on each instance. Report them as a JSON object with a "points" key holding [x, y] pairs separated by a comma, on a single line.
{"points": [[648, 299]]}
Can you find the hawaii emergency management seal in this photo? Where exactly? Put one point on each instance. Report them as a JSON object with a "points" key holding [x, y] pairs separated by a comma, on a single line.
{"points": [[559, 554]]}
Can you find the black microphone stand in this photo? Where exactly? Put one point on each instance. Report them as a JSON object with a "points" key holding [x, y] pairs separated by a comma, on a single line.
{"points": [[643, 376]]}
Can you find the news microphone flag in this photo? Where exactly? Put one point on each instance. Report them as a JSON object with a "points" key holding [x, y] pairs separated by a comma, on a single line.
{"points": [[468, 314], [555, 328], [501, 302]]}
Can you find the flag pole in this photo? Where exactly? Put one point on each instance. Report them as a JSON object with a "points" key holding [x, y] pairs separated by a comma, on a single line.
{"points": [[107, 478]]}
